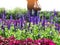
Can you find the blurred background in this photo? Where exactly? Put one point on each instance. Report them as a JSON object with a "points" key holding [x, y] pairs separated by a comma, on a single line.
{"points": [[46, 5]]}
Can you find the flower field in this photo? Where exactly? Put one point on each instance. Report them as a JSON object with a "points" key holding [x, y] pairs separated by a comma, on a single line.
{"points": [[17, 27]]}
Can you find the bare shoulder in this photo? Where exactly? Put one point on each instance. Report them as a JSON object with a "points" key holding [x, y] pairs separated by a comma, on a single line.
{"points": [[26, 0]]}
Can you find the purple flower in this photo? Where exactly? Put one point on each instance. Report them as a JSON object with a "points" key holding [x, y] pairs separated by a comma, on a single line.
{"points": [[43, 22], [11, 17], [59, 27], [8, 24], [0, 21], [3, 16], [56, 24], [34, 20], [38, 13], [31, 19], [21, 23], [15, 24], [51, 19], [55, 13], [37, 20]]}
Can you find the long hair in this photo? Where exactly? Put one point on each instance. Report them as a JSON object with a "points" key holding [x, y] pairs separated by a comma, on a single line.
{"points": [[30, 3]]}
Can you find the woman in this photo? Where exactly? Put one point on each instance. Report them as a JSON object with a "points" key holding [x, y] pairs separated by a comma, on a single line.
{"points": [[30, 6]]}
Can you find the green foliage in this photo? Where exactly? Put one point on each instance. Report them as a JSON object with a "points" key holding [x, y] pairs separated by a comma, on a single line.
{"points": [[58, 20], [17, 11], [13, 12], [50, 33], [1, 10]]}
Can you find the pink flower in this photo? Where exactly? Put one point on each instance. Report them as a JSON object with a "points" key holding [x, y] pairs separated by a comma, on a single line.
{"points": [[29, 41], [22, 42], [46, 41], [11, 38], [52, 43]]}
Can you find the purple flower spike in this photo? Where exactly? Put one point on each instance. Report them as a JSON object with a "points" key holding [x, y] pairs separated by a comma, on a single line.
{"points": [[31, 19], [0, 20], [55, 13], [59, 27], [15, 24], [3, 16], [43, 21], [56, 26], [8, 26], [11, 17], [39, 19], [21, 23], [34, 20], [51, 19]]}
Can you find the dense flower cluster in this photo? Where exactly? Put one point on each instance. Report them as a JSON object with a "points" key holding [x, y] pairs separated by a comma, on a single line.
{"points": [[25, 26], [12, 41], [22, 21]]}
